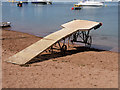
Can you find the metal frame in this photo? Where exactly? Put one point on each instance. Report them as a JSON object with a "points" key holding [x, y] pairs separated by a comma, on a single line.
{"points": [[84, 37], [61, 46]]}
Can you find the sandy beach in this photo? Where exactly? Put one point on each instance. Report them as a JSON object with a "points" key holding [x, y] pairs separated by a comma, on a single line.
{"points": [[79, 68]]}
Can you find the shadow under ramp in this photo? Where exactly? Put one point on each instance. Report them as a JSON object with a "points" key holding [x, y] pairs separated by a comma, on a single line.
{"points": [[44, 57]]}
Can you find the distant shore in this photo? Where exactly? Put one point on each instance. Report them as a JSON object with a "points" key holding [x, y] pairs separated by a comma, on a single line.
{"points": [[79, 68]]}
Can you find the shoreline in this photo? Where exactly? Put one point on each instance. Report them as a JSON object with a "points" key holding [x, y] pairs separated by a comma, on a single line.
{"points": [[94, 68], [99, 47]]}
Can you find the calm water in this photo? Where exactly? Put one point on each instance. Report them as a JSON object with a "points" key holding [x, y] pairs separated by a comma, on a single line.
{"points": [[42, 20]]}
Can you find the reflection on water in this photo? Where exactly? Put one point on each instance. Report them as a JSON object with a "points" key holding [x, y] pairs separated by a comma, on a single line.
{"points": [[42, 20]]}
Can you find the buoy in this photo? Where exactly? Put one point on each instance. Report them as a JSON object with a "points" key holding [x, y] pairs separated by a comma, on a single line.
{"points": [[72, 8], [101, 24], [19, 4]]}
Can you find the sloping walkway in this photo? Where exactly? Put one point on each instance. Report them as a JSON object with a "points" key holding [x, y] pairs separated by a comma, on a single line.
{"points": [[40, 46]]}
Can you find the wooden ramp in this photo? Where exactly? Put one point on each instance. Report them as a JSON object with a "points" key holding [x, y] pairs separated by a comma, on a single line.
{"points": [[40, 46]]}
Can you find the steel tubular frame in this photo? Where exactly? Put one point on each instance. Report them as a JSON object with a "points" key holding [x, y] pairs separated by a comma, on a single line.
{"points": [[83, 35]]}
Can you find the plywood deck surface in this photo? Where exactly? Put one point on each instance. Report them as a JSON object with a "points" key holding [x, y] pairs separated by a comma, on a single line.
{"points": [[80, 25], [30, 52]]}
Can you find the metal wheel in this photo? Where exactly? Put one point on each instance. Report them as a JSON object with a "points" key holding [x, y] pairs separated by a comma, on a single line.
{"points": [[88, 42], [63, 49]]}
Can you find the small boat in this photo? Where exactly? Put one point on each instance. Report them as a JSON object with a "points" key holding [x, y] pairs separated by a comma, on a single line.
{"points": [[19, 4], [77, 7], [5, 24], [90, 3], [43, 2]]}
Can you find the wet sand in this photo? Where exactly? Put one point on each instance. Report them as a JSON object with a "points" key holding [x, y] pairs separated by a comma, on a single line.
{"points": [[79, 68]]}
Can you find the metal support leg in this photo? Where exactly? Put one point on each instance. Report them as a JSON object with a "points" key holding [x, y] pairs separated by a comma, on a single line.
{"points": [[68, 41]]}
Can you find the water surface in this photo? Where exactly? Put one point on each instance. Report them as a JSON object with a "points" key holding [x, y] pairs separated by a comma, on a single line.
{"points": [[42, 20]]}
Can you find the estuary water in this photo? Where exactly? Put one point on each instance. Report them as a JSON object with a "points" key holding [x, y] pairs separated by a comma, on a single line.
{"points": [[41, 20]]}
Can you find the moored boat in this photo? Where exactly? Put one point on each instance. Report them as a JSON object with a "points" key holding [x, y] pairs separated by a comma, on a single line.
{"points": [[43, 2], [90, 3], [77, 6], [5, 24]]}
